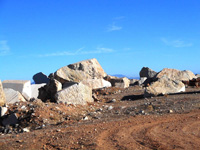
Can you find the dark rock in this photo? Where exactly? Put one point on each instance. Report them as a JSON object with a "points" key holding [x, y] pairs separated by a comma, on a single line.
{"points": [[10, 120], [40, 78]]}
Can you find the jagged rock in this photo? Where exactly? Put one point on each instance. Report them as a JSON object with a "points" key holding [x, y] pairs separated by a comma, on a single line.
{"points": [[22, 86], [163, 86], [147, 72], [13, 96], [120, 82], [48, 91], [2, 95], [10, 120], [75, 94], [40, 78], [174, 74], [96, 83], [87, 69], [35, 89]]}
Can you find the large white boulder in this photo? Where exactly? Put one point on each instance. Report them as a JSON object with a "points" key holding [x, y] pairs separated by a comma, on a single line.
{"points": [[35, 90], [174, 74], [87, 69], [163, 86], [13, 96], [2, 95], [96, 83], [22, 86], [75, 94]]}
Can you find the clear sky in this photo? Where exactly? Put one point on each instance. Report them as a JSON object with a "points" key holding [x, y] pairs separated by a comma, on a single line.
{"points": [[124, 35]]}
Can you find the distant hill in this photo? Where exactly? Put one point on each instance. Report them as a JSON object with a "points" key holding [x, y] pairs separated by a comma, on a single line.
{"points": [[121, 76]]}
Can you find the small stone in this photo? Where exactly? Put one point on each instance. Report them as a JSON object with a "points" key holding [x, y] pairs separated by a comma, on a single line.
{"points": [[170, 111], [110, 107]]}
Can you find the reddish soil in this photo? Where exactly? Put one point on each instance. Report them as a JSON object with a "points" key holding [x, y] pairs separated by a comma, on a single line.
{"points": [[128, 122]]}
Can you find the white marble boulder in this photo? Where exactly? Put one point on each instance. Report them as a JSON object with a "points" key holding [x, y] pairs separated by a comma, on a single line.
{"points": [[77, 72], [22, 86], [164, 85], [2, 95], [96, 83], [35, 90], [75, 94], [175, 74], [13, 96]]}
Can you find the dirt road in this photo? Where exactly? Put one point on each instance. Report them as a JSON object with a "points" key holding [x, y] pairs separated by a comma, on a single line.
{"points": [[174, 131]]}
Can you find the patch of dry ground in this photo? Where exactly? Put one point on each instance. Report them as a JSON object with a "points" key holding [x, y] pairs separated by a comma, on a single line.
{"points": [[133, 122]]}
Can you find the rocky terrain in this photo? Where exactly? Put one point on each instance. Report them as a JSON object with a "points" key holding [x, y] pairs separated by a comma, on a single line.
{"points": [[81, 107]]}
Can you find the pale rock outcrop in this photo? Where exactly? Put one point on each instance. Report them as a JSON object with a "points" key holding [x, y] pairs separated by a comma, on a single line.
{"points": [[147, 72], [48, 91], [174, 74], [40, 78], [87, 69], [75, 94], [120, 82], [13, 96], [164, 85], [96, 83], [22, 86], [2, 95], [35, 90]]}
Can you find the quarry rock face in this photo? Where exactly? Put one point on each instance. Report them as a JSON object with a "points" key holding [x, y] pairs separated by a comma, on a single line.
{"points": [[13, 96], [35, 89], [120, 82], [96, 83], [147, 72], [22, 86], [174, 74], [163, 86], [2, 95], [87, 69], [40, 78], [48, 91], [75, 94]]}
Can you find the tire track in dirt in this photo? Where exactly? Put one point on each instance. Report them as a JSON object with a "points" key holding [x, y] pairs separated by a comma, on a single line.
{"points": [[179, 132]]}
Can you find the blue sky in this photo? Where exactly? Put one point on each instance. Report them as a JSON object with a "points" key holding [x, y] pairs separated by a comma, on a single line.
{"points": [[44, 35]]}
